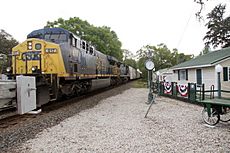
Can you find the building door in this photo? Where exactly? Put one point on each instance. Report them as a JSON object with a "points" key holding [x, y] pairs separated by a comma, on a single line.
{"points": [[198, 76]]}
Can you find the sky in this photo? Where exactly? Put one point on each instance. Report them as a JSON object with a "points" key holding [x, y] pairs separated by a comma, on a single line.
{"points": [[136, 22]]}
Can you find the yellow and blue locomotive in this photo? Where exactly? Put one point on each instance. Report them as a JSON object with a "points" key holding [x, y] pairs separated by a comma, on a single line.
{"points": [[64, 64]]}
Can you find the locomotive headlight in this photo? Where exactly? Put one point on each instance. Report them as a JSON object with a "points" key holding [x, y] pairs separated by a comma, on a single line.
{"points": [[34, 69], [8, 69], [29, 45]]}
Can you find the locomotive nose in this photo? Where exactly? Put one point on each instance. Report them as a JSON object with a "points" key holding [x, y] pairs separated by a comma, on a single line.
{"points": [[27, 57]]}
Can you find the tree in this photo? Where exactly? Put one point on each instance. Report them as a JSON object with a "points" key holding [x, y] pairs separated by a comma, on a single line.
{"points": [[201, 3], [218, 27], [127, 54], [183, 58], [141, 66], [131, 62], [7, 42], [103, 38], [205, 50], [218, 33], [162, 57], [128, 58]]}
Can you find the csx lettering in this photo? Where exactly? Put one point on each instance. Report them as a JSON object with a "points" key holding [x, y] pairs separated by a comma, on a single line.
{"points": [[31, 56]]}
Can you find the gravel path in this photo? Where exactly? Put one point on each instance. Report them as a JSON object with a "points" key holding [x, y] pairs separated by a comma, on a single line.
{"points": [[13, 136], [117, 124]]}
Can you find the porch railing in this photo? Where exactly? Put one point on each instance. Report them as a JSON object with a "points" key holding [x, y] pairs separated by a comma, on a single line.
{"points": [[190, 92]]}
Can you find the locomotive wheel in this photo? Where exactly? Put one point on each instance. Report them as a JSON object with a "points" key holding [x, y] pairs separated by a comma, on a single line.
{"points": [[214, 117], [225, 117]]}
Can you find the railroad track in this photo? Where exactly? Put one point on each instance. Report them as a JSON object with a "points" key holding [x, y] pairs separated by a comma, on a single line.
{"points": [[9, 119], [21, 129], [13, 120]]}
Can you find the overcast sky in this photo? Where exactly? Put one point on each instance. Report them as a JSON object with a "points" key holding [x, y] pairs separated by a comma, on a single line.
{"points": [[136, 22]]}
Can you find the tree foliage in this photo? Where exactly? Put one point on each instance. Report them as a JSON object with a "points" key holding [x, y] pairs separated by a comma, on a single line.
{"points": [[128, 58], [6, 43], [131, 62], [205, 50], [198, 13], [127, 54], [103, 38], [162, 57], [218, 33]]}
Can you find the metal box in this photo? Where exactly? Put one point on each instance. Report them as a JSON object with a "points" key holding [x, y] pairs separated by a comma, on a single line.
{"points": [[7, 92], [26, 94]]}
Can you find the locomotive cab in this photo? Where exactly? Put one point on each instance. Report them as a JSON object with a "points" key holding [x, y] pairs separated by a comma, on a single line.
{"points": [[36, 56]]}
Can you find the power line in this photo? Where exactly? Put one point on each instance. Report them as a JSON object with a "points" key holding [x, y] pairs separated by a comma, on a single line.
{"points": [[185, 28]]}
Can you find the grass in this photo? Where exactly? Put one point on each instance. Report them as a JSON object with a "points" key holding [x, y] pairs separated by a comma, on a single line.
{"points": [[139, 83]]}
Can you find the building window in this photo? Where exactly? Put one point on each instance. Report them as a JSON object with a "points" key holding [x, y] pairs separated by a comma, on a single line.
{"points": [[91, 50], [183, 74], [78, 43], [83, 45], [75, 67], [198, 76], [226, 73], [87, 48], [73, 42]]}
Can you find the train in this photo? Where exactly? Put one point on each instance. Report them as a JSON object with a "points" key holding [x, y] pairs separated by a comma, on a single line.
{"points": [[65, 65]]}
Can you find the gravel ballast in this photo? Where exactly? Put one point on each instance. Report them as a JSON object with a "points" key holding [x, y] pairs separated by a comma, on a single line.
{"points": [[11, 137], [117, 124]]}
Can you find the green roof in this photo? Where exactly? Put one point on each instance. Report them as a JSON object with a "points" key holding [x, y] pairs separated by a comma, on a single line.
{"points": [[165, 70], [205, 60]]}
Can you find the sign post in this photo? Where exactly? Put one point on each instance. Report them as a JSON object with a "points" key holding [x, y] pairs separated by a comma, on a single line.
{"points": [[149, 65]]}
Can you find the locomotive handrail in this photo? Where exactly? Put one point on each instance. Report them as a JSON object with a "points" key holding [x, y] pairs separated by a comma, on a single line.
{"points": [[40, 62], [26, 67], [15, 70]]}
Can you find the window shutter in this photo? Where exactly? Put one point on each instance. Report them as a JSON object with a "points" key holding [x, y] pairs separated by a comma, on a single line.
{"points": [[225, 73], [178, 74], [186, 74]]}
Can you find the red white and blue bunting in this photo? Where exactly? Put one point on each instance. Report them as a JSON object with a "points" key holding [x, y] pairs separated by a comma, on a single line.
{"points": [[183, 90], [168, 87]]}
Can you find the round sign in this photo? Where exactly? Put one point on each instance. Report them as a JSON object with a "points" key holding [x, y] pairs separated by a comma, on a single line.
{"points": [[149, 65]]}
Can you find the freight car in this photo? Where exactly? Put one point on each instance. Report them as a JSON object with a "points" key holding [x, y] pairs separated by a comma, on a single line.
{"points": [[65, 65]]}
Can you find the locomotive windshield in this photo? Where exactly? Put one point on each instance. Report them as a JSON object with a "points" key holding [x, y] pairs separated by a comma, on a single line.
{"points": [[56, 37]]}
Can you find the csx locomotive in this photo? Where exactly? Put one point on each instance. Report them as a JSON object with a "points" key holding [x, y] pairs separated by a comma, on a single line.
{"points": [[65, 65]]}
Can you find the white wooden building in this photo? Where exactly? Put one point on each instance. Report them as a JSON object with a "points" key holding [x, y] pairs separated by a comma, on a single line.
{"points": [[201, 70], [165, 75]]}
